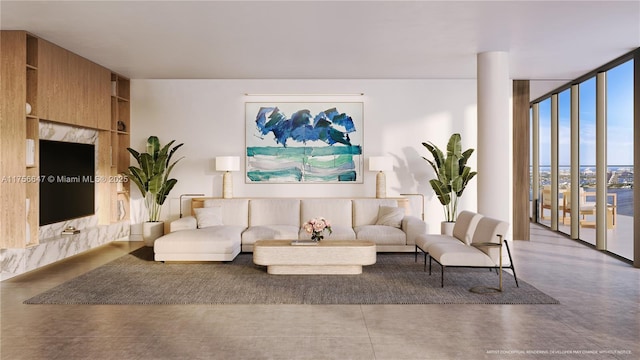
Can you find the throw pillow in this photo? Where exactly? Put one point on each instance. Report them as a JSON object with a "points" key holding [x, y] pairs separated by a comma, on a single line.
{"points": [[390, 216], [208, 216]]}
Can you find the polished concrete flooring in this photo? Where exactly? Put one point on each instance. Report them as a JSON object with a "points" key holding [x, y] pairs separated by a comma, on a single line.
{"points": [[598, 318], [619, 238]]}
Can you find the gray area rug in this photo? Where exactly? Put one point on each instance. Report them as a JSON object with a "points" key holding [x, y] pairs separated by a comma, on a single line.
{"points": [[395, 279]]}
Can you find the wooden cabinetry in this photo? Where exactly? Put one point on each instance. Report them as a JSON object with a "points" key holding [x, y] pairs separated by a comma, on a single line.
{"points": [[62, 87], [19, 189], [13, 127], [120, 139], [32, 142], [72, 89]]}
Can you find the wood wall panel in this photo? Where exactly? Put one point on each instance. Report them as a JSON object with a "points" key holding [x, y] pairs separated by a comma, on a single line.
{"points": [[100, 96], [52, 70], [521, 159], [13, 92], [72, 89]]}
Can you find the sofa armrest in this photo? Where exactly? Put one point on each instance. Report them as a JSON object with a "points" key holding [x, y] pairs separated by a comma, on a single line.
{"points": [[185, 223], [413, 227]]}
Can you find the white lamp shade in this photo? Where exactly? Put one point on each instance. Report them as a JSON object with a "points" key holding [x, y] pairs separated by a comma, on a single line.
{"points": [[380, 163], [227, 163]]}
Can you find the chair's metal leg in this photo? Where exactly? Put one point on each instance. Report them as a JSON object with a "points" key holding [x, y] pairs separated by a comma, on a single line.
{"points": [[430, 258], [442, 276], [425, 261], [416, 260], [513, 267]]}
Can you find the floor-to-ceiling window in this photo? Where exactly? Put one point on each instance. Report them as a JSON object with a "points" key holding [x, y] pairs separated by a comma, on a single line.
{"points": [[582, 130], [620, 159], [544, 156], [564, 160], [587, 166]]}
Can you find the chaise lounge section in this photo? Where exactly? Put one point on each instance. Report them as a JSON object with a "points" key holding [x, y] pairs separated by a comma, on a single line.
{"points": [[189, 241]]}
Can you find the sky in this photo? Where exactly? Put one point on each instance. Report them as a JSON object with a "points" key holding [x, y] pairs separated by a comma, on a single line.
{"points": [[619, 121]]}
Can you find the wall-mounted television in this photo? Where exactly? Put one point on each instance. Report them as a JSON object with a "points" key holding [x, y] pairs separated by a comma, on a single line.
{"points": [[67, 189]]}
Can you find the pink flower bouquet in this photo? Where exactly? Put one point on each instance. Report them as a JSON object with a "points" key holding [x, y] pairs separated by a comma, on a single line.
{"points": [[316, 227]]}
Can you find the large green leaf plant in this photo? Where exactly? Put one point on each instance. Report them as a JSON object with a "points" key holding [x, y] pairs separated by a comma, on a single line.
{"points": [[152, 174], [452, 173]]}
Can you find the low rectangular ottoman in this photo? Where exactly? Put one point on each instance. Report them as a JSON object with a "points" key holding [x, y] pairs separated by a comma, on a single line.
{"points": [[327, 257]]}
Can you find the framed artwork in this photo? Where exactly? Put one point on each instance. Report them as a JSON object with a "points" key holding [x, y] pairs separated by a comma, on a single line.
{"points": [[300, 142]]}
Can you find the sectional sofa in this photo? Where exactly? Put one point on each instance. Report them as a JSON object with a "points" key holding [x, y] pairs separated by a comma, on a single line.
{"points": [[223, 228]]}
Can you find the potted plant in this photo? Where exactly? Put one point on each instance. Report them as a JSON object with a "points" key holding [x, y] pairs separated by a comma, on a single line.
{"points": [[152, 178], [452, 177]]}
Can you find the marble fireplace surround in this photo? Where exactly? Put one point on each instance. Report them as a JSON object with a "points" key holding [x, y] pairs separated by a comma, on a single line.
{"points": [[52, 246]]}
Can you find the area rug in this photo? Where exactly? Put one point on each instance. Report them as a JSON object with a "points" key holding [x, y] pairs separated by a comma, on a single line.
{"points": [[395, 279]]}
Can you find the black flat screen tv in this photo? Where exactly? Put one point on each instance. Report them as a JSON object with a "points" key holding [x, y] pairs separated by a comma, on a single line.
{"points": [[67, 189]]}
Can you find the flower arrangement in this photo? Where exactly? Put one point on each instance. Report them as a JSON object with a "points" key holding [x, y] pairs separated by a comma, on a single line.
{"points": [[316, 227]]}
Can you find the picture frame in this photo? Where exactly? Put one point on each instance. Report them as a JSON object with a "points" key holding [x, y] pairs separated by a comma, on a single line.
{"points": [[304, 142]]}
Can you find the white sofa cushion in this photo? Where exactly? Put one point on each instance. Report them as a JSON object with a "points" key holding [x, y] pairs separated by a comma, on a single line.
{"points": [[216, 239], [462, 232], [275, 212], [185, 223], [459, 254], [269, 232], [390, 216], [208, 216], [234, 211], [365, 211], [465, 226], [381, 235], [424, 241], [488, 230], [338, 211]]}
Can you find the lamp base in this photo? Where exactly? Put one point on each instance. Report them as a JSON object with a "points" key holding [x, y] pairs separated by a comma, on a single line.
{"points": [[227, 185], [381, 185]]}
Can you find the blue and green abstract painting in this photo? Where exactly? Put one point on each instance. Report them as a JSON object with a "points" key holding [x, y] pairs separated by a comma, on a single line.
{"points": [[304, 142]]}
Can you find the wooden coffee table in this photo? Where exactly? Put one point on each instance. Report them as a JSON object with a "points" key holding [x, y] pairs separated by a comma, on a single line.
{"points": [[327, 257]]}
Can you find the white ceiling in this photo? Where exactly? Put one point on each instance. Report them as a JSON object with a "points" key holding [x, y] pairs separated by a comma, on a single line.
{"points": [[546, 40]]}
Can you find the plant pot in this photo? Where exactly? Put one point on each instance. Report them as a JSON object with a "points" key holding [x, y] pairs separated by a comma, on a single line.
{"points": [[446, 228], [151, 231]]}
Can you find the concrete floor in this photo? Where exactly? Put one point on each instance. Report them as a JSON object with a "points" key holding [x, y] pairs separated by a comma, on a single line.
{"points": [[619, 238], [598, 318]]}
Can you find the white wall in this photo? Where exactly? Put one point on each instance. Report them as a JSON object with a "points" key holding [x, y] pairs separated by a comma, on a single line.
{"points": [[209, 117]]}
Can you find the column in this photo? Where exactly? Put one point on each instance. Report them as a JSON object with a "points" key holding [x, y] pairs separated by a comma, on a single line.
{"points": [[494, 136]]}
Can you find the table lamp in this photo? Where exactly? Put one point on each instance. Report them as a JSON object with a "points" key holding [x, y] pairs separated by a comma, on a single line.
{"points": [[227, 164], [380, 164]]}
